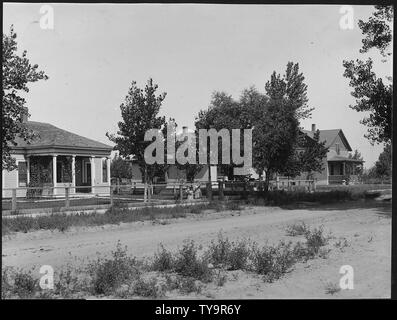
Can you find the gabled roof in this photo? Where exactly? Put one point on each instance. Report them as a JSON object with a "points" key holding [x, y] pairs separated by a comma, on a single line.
{"points": [[329, 137], [49, 136]]}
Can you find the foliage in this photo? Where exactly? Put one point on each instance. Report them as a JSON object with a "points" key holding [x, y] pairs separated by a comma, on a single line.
{"points": [[291, 90], [108, 274], [383, 167], [190, 169], [372, 95], [120, 168], [139, 113], [226, 113], [274, 139], [312, 158], [17, 73], [377, 31], [188, 264]]}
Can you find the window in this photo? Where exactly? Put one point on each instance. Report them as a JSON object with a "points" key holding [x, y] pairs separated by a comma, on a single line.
{"points": [[64, 169], [337, 148], [22, 174], [331, 169], [104, 170]]}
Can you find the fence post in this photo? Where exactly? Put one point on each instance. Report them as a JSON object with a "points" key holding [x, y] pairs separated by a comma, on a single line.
{"points": [[145, 193], [14, 200], [67, 200], [149, 192], [180, 193], [209, 191], [221, 197], [111, 195]]}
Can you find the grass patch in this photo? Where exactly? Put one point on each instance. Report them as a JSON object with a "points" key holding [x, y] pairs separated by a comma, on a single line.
{"points": [[117, 215]]}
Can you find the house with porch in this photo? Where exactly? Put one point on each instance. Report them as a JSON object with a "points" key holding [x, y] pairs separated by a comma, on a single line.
{"points": [[338, 167], [58, 158]]}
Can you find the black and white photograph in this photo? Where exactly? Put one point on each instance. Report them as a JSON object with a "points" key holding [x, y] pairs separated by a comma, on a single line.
{"points": [[197, 151]]}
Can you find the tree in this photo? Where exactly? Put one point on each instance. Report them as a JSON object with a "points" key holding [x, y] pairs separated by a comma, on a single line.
{"points": [[290, 88], [224, 112], [377, 30], [383, 167], [17, 73], [191, 169], [312, 158], [276, 133], [120, 168], [371, 93], [139, 113], [274, 138], [356, 155]]}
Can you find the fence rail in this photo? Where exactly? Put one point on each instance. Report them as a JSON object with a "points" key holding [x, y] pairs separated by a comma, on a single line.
{"points": [[79, 197]]}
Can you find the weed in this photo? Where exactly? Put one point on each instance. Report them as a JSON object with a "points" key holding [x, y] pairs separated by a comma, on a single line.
{"points": [[163, 260], [298, 229], [219, 251], [25, 285], [188, 264], [108, 274], [315, 239], [238, 255], [147, 288], [332, 288]]}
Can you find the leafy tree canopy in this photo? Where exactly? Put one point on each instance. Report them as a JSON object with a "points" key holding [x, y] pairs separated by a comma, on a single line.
{"points": [[18, 72], [139, 112], [373, 96]]}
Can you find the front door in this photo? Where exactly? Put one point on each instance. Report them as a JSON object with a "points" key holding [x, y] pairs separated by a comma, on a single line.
{"points": [[87, 177]]}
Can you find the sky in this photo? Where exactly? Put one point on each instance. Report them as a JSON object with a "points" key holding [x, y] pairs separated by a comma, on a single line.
{"points": [[95, 51]]}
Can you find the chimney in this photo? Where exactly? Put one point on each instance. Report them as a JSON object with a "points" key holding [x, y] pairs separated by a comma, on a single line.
{"points": [[313, 127], [184, 128]]}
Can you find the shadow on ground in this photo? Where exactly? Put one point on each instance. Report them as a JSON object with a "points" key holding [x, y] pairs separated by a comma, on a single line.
{"points": [[382, 207]]}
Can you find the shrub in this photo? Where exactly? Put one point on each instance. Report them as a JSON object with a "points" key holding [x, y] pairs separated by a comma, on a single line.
{"points": [[188, 285], [25, 285], [147, 288], [315, 239], [163, 260], [273, 261], [232, 206], [238, 255], [110, 273], [332, 288], [219, 251], [189, 265], [221, 278], [298, 229]]}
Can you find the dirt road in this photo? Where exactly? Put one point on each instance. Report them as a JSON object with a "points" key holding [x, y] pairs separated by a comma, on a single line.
{"points": [[366, 229]]}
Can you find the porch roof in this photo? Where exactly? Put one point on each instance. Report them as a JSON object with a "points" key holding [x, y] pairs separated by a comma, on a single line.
{"points": [[53, 139], [343, 159]]}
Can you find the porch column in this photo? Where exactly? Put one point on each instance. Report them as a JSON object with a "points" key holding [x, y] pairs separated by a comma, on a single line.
{"points": [[108, 169], [73, 174], [54, 172], [27, 171], [92, 173]]}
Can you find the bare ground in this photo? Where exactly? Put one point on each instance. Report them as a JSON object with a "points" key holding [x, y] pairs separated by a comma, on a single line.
{"points": [[366, 227]]}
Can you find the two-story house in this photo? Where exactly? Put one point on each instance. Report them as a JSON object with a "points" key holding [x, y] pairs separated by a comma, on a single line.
{"points": [[338, 167]]}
